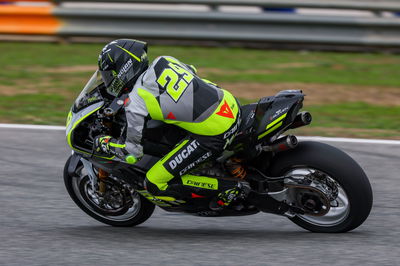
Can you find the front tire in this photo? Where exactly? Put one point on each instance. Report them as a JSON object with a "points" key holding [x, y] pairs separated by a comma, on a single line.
{"points": [[356, 190], [78, 187]]}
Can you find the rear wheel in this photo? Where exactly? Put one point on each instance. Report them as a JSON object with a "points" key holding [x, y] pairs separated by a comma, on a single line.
{"points": [[120, 205], [353, 198]]}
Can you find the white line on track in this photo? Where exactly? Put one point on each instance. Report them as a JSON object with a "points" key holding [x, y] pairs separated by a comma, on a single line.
{"points": [[40, 127], [368, 141]]}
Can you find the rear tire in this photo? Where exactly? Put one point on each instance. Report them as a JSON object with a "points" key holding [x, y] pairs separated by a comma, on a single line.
{"points": [[340, 167], [140, 211]]}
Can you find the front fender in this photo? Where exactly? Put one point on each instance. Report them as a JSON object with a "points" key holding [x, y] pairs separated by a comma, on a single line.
{"points": [[73, 163]]}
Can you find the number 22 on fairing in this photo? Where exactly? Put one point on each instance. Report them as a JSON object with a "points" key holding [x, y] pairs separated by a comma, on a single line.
{"points": [[175, 80]]}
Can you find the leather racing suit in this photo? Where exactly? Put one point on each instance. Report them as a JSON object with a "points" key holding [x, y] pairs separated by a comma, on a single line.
{"points": [[171, 92]]}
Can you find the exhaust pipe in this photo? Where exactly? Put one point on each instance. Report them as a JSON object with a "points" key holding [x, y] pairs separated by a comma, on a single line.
{"points": [[301, 119], [282, 144]]}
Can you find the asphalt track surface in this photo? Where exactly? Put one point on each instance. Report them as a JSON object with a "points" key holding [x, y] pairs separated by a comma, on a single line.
{"points": [[40, 225]]}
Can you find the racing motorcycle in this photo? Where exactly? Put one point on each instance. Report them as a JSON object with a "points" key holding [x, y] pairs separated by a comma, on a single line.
{"points": [[316, 186]]}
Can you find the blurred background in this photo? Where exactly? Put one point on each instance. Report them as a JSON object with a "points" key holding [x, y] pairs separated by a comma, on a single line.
{"points": [[342, 53]]}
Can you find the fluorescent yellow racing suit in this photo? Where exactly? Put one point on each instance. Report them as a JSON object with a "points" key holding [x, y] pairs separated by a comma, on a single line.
{"points": [[171, 92]]}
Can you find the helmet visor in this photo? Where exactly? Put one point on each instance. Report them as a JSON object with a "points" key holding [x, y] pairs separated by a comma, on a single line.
{"points": [[107, 76], [113, 84]]}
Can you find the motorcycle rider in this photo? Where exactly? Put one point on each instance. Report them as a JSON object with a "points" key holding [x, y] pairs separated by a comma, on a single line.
{"points": [[170, 91]]}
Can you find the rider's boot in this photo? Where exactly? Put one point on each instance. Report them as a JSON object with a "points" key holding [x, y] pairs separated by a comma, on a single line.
{"points": [[225, 198]]}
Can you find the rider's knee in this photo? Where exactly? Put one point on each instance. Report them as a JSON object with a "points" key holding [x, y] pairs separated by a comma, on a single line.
{"points": [[151, 187]]}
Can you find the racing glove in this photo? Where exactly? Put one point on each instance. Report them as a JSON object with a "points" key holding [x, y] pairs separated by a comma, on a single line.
{"points": [[108, 145], [102, 144]]}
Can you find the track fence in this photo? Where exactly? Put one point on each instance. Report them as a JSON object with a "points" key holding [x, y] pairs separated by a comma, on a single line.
{"points": [[146, 20]]}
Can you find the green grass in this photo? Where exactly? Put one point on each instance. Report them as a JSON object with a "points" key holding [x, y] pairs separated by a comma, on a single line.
{"points": [[34, 109], [39, 81], [20, 61], [364, 116]]}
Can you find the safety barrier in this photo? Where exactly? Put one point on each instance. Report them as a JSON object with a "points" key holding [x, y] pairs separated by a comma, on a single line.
{"points": [[367, 5], [28, 20], [248, 28]]}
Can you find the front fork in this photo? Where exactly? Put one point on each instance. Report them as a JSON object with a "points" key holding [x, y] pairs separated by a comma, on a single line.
{"points": [[103, 175], [94, 178]]}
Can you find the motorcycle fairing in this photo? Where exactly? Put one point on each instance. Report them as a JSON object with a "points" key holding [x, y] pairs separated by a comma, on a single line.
{"points": [[75, 120], [89, 101], [275, 113]]}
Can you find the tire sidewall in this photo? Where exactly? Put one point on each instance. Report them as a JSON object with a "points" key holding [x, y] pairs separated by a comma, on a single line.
{"points": [[340, 167], [145, 211]]}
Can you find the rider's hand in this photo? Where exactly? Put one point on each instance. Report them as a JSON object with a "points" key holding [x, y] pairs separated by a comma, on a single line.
{"points": [[106, 145], [101, 144]]}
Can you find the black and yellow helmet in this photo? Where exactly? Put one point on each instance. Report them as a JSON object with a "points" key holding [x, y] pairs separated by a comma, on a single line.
{"points": [[121, 62]]}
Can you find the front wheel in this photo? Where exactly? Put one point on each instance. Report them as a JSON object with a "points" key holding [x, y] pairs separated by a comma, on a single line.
{"points": [[353, 202], [119, 206]]}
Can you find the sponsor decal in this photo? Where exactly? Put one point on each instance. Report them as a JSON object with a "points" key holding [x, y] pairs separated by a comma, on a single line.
{"points": [[279, 112], [171, 116], [153, 199], [200, 184], [230, 135], [225, 111], [105, 50], [233, 130], [177, 160], [92, 99], [125, 68], [190, 166]]}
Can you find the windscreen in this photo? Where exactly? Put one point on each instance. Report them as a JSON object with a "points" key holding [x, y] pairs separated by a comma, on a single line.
{"points": [[90, 93]]}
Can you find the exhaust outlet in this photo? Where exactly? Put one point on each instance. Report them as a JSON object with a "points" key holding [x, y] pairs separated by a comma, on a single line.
{"points": [[301, 119]]}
